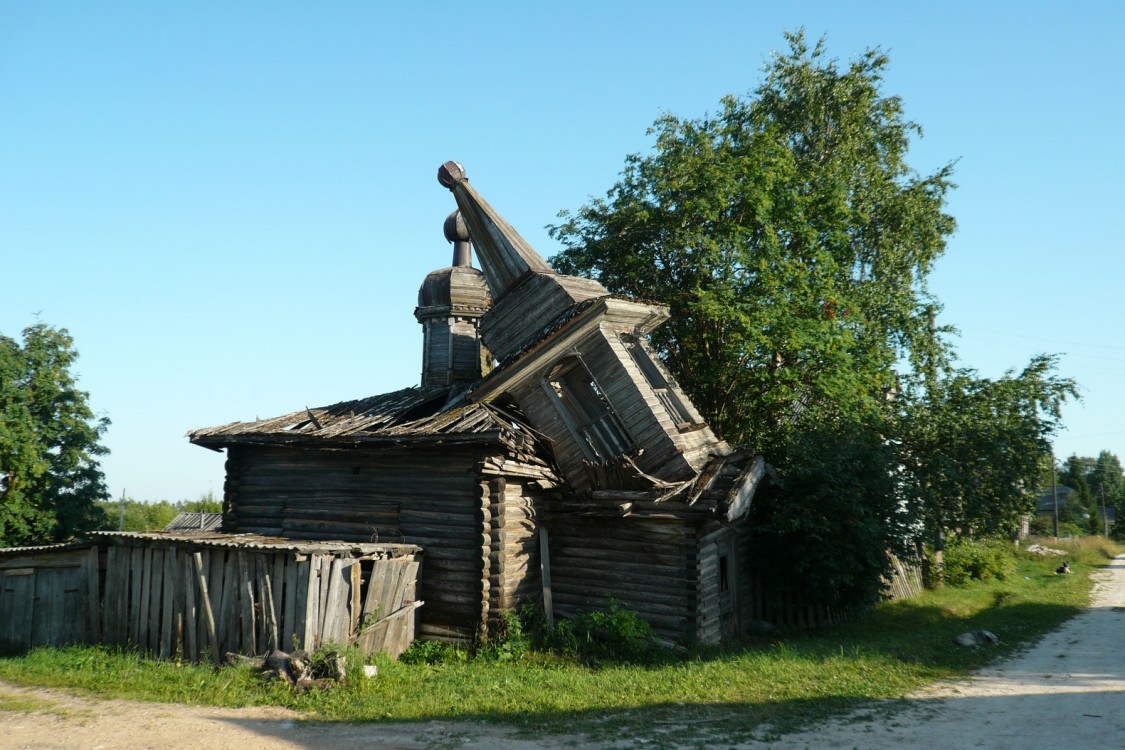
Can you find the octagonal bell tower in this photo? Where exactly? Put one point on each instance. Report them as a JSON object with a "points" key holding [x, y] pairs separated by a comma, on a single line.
{"points": [[451, 302]]}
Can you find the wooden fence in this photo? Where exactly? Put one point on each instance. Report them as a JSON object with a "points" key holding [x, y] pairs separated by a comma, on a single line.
{"points": [[45, 594], [785, 609], [200, 595]]}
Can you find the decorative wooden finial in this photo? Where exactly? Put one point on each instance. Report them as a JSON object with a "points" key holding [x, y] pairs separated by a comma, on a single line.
{"points": [[450, 173], [457, 232]]}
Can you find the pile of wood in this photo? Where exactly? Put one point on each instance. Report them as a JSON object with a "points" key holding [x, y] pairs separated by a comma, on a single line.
{"points": [[297, 668]]}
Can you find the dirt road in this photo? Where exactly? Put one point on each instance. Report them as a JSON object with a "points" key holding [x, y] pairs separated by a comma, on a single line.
{"points": [[1069, 688]]}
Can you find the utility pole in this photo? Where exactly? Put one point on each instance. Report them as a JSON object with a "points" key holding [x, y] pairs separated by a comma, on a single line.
{"points": [[1055, 492], [1105, 521], [121, 520]]}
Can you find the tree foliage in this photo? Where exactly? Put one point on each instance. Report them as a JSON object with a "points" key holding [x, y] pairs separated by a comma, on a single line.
{"points": [[50, 479], [792, 241], [827, 533], [974, 448], [139, 515], [1098, 483]]}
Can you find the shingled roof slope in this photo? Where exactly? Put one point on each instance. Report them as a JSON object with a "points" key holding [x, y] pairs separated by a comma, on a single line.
{"points": [[411, 415]]}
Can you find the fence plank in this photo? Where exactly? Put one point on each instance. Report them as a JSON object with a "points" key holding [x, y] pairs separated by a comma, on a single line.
{"points": [[93, 595], [191, 612], [171, 573], [136, 575], [246, 606], [205, 603], [312, 605], [289, 629], [155, 602]]}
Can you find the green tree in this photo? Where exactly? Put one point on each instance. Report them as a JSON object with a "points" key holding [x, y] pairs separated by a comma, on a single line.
{"points": [[791, 241], [207, 503], [974, 448], [1107, 485], [50, 479], [137, 515], [1107, 475], [143, 515]]}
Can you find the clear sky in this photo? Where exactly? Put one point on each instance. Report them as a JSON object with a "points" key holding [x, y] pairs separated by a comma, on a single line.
{"points": [[231, 205]]}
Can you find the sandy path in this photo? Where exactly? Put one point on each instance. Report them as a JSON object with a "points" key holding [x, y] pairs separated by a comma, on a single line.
{"points": [[1070, 688]]}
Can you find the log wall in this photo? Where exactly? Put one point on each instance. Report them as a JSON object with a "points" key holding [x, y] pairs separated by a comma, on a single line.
{"points": [[514, 574], [725, 591], [469, 509], [418, 497], [648, 566]]}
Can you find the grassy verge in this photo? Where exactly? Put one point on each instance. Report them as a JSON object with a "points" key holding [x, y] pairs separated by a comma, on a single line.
{"points": [[783, 681], [23, 704]]}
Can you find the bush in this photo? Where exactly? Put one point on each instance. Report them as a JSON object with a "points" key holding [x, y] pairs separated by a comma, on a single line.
{"points": [[508, 642], [1070, 531], [983, 560], [433, 652], [612, 634], [615, 634]]}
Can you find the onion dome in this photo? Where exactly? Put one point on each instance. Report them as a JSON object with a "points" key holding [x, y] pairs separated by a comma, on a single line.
{"points": [[450, 303]]}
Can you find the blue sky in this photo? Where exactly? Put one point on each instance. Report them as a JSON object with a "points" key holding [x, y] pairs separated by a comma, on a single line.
{"points": [[231, 205]]}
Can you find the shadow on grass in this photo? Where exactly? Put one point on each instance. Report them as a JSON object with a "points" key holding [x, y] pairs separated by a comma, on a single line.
{"points": [[1087, 716], [918, 638], [730, 694]]}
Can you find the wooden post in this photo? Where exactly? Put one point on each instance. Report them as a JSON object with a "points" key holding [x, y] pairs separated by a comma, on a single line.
{"points": [[246, 606], [191, 612], [208, 613], [545, 574]]}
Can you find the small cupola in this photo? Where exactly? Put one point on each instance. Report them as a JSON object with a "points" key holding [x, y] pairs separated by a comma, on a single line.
{"points": [[451, 302]]}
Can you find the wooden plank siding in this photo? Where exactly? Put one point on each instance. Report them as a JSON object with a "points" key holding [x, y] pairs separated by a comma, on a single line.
{"points": [[519, 318], [49, 597], [178, 597]]}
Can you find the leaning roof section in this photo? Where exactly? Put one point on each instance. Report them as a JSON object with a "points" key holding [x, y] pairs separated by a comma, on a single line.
{"points": [[505, 257]]}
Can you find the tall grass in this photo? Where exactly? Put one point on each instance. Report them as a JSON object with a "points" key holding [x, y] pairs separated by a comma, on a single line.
{"points": [[779, 680]]}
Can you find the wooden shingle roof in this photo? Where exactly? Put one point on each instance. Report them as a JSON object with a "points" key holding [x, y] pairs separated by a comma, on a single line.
{"points": [[409, 416]]}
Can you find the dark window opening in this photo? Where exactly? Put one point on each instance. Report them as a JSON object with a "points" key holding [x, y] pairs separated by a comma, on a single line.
{"points": [[724, 575], [587, 411], [660, 381]]}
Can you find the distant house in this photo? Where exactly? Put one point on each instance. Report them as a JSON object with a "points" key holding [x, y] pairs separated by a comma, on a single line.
{"points": [[1045, 503], [547, 455], [1067, 504]]}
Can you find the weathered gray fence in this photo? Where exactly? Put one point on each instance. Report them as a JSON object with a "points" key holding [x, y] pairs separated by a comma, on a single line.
{"points": [[45, 594], [196, 595]]}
